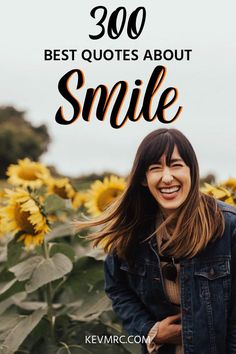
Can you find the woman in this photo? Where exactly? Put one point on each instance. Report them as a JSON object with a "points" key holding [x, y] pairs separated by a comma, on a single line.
{"points": [[170, 271]]}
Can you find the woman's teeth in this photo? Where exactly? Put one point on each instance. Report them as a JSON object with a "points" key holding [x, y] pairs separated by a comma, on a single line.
{"points": [[169, 190]]}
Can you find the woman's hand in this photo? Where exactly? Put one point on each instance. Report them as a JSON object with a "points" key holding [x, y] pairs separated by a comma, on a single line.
{"points": [[169, 331]]}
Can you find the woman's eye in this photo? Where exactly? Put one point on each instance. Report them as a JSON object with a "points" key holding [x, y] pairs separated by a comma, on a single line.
{"points": [[177, 165], [153, 168]]}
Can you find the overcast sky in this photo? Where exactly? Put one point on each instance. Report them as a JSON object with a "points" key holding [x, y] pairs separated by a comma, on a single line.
{"points": [[206, 83]]}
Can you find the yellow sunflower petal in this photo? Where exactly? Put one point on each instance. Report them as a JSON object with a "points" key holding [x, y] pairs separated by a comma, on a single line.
{"points": [[62, 187], [230, 183], [27, 173], [24, 215], [103, 193], [218, 192], [79, 199]]}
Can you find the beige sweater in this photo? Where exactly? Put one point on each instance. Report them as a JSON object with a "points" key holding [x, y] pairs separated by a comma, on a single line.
{"points": [[173, 292]]}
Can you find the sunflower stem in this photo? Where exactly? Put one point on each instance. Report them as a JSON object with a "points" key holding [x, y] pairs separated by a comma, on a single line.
{"points": [[48, 295]]}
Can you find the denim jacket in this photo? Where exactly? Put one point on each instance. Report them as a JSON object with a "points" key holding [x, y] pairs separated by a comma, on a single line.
{"points": [[208, 293]]}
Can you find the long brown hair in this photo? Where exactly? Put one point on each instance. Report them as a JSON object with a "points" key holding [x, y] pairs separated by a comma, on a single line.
{"points": [[197, 221]]}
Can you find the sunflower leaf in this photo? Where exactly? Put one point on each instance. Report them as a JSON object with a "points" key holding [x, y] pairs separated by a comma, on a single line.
{"points": [[59, 232], [14, 252], [89, 310], [21, 329], [10, 288], [8, 321], [24, 270], [54, 203], [48, 270], [15, 299], [63, 248]]}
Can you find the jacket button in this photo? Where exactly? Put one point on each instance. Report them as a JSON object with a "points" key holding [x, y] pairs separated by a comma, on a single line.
{"points": [[158, 279], [190, 338], [212, 272], [185, 310]]}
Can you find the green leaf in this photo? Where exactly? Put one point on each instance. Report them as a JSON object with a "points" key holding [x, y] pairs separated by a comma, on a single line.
{"points": [[8, 321], [38, 336], [83, 291], [86, 278], [20, 331], [11, 288], [4, 305], [91, 308], [6, 286], [41, 191], [49, 270], [73, 349], [24, 270], [63, 248], [54, 203], [3, 253], [14, 252], [30, 305], [96, 253], [60, 231]]}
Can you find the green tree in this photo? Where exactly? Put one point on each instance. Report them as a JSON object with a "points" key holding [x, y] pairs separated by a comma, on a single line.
{"points": [[19, 138]]}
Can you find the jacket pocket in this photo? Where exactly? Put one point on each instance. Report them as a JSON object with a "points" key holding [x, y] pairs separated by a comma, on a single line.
{"points": [[137, 269], [214, 279], [213, 270], [212, 284], [135, 276]]}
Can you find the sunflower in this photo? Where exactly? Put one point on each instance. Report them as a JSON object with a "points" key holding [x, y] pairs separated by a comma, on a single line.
{"points": [[103, 193], [79, 199], [27, 173], [230, 183], [218, 192], [23, 216], [2, 197], [2, 230], [61, 187]]}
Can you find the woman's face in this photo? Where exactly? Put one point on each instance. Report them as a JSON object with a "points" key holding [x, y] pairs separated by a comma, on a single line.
{"points": [[169, 185]]}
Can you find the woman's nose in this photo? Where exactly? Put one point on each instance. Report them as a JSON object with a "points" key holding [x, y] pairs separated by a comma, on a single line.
{"points": [[167, 178]]}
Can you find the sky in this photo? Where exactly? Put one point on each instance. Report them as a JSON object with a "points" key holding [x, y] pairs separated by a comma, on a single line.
{"points": [[205, 83]]}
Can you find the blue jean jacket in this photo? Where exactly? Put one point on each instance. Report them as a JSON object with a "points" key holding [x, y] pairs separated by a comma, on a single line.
{"points": [[208, 293]]}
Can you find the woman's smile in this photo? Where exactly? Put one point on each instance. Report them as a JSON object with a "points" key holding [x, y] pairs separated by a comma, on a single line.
{"points": [[169, 193]]}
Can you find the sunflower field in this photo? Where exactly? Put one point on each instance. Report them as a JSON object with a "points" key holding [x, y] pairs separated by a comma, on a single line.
{"points": [[51, 279]]}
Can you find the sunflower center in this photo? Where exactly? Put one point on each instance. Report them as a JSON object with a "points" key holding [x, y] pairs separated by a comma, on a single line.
{"points": [[107, 197], [61, 191], [29, 173], [22, 220]]}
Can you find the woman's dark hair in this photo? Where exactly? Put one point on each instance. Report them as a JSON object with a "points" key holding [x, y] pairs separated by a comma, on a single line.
{"points": [[196, 221]]}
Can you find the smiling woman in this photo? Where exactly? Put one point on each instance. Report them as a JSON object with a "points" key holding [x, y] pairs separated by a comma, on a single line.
{"points": [[172, 253]]}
